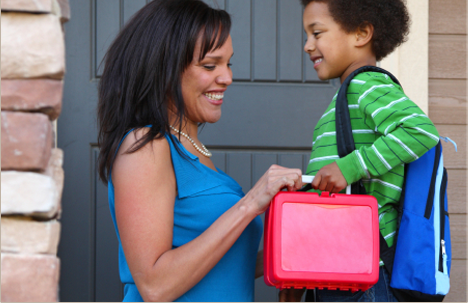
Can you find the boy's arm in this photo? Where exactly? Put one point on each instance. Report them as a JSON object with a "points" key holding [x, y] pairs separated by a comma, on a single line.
{"points": [[404, 132]]}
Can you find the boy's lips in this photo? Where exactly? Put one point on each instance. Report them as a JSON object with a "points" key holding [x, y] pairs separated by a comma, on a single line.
{"points": [[316, 60]]}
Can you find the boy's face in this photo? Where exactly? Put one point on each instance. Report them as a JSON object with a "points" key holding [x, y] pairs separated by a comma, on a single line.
{"points": [[330, 48]]}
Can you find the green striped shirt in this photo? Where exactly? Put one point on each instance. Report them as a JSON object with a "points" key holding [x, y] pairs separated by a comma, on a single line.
{"points": [[388, 129]]}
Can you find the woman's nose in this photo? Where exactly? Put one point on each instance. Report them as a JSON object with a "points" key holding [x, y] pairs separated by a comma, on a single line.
{"points": [[225, 78]]}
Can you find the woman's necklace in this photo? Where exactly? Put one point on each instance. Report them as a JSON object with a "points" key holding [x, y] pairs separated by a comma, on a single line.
{"points": [[204, 151]]}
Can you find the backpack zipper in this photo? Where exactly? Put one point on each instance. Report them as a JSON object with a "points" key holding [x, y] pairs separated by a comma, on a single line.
{"points": [[442, 220], [430, 197]]}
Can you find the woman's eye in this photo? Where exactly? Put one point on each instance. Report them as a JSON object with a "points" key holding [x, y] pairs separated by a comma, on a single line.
{"points": [[209, 67], [316, 34], [229, 65]]}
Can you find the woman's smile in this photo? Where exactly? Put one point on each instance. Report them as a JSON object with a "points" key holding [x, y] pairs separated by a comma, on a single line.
{"points": [[215, 98]]}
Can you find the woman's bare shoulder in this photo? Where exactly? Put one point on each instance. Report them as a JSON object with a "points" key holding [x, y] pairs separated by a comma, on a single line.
{"points": [[133, 137], [155, 156]]}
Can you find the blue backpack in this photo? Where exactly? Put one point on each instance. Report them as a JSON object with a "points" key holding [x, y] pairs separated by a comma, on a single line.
{"points": [[419, 261]]}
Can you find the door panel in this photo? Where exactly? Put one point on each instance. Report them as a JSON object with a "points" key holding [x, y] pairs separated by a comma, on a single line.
{"points": [[268, 117], [264, 40], [107, 282], [107, 25], [290, 41], [240, 11]]}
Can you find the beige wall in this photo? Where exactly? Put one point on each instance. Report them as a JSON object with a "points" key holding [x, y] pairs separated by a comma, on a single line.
{"points": [[409, 62]]}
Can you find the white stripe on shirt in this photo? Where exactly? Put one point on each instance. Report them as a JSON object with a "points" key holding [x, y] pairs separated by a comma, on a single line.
{"points": [[404, 146], [370, 90], [357, 81], [324, 135], [363, 131], [323, 159], [426, 133], [386, 130], [363, 164], [383, 183], [381, 158], [403, 120], [356, 131], [330, 111], [352, 106], [388, 106], [381, 216], [412, 116]]}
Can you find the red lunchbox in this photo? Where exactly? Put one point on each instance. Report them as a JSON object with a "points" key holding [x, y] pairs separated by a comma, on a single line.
{"points": [[327, 241]]}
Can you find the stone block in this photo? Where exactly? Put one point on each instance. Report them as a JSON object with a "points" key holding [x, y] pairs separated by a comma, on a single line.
{"points": [[35, 6], [28, 193], [24, 235], [61, 8], [34, 95], [55, 171], [26, 141], [29, 278], [33, 46]]}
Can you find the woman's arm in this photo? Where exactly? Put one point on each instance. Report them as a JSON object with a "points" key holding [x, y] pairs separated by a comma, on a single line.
{"points": [[145, 190]]}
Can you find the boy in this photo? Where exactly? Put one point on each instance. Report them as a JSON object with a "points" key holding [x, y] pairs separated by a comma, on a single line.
{"points": [[388, 128]]}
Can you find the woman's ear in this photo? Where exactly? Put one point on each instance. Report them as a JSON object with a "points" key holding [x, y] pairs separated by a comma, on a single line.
{"points": [[364, 34]]}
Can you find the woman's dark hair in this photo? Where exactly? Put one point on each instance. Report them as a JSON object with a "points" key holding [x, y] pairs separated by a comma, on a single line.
{"points": [[144, 67], [390, 19]]}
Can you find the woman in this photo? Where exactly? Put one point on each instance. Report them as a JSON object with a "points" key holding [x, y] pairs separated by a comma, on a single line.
{"points": [[185, 229]]}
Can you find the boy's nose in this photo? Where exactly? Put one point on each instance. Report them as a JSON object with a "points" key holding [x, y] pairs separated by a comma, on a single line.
{"points": [[309, 47]]}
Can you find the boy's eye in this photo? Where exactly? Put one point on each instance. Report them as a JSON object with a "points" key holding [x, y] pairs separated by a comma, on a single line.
{"points": [[316, 34], [229, 65]]}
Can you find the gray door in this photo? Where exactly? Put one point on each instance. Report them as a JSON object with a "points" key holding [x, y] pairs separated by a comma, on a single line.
{"points": [[268, 117]]}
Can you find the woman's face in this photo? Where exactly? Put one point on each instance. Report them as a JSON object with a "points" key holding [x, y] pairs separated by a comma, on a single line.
{"points": [[204, 83]]}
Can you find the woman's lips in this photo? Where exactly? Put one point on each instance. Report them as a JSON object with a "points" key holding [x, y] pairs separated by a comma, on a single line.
{"points": [[215, 97]]}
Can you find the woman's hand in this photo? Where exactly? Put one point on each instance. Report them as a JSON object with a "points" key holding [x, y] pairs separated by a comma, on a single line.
{"points": [[275, 179]]}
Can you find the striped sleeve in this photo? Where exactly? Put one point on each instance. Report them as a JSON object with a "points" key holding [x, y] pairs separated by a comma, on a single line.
{"points": [[403, 132]]}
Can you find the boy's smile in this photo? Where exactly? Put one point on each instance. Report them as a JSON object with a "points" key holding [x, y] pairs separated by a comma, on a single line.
{"points": [[332, 50]]}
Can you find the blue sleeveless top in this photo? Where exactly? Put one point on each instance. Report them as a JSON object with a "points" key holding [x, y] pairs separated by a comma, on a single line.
{"points": [[203, 196]]}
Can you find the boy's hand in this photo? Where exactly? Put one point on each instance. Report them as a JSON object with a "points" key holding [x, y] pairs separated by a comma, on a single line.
{"points": [[329, 178]]}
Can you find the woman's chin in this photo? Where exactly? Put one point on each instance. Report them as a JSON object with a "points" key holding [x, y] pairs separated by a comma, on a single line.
{"points": [[213, 117]]}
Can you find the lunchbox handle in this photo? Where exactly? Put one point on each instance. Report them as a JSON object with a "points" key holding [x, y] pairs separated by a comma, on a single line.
{"points": [[308, 179]]}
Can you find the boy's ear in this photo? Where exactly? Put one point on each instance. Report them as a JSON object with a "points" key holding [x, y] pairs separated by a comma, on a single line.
{"points": [[364, 34]]}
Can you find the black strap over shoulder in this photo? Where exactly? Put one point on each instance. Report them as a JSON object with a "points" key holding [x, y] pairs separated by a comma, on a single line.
{"points": [[345, 144]]}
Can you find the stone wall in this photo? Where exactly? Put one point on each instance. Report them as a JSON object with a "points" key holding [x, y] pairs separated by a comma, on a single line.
{"points": [[32, 71]]}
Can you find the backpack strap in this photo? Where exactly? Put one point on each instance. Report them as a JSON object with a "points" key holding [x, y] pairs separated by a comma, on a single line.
{"points": [[345, 144]]}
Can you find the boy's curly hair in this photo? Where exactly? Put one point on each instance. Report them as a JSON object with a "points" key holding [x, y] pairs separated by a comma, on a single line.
{"points": [[390, 19]]}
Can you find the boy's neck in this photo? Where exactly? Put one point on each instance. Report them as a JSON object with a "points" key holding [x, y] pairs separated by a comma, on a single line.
{"points": [[357, 64]]}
